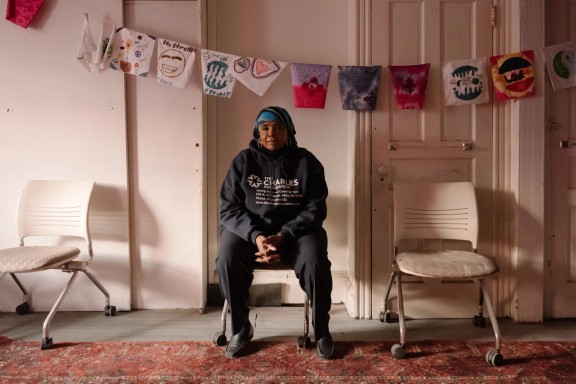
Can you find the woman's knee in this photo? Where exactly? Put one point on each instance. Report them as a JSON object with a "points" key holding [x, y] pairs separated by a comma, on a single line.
{"points": [[232, 250]]}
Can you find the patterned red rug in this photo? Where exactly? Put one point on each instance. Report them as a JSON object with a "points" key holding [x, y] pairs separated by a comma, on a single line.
{"points": [[282, 362]]}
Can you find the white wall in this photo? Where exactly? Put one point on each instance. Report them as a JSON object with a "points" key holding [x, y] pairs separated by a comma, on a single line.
{"points": [[142, 145], [57, 121]]}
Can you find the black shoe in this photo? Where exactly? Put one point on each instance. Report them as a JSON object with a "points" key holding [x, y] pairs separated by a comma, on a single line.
{"points": [[325, 346], [239, 341]]}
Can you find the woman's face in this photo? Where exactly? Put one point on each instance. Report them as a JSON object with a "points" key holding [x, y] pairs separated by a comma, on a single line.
{"points": [[273, 135]]}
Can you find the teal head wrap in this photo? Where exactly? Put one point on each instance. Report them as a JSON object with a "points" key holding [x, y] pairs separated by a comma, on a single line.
{"points": [[275, 114]]}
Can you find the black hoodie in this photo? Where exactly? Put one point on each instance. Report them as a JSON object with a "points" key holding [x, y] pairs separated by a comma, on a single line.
{"points": [[266, 193]]}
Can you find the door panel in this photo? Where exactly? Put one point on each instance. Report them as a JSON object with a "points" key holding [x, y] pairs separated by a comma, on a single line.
{"points": [[561, 18], [428, 144]]}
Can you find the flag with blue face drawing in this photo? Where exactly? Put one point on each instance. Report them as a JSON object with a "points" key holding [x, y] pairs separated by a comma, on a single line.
{"points": [[561, 64], [465, 82], [217, 78]]}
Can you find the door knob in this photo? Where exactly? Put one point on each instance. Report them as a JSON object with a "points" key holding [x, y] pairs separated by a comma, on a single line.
{"points": [[566, 144], [382, 170]]}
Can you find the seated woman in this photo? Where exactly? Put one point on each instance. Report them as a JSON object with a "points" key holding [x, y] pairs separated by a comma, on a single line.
{"points": [[273, 204]]}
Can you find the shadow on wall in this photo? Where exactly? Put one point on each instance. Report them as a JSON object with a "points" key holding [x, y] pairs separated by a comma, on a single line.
{"points": [[336, 223], [109, 216]]}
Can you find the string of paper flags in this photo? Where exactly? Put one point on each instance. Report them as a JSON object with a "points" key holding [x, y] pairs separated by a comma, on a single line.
{"points": [[464, 81]]}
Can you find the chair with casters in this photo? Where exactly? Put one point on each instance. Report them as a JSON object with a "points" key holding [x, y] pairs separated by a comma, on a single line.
{"points": [[303, 340], [446, 213], [50, 210]]}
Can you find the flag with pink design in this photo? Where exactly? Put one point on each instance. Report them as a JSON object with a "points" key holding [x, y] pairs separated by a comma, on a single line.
{"points": [[256, 74], [409, 82], [310, 84]]}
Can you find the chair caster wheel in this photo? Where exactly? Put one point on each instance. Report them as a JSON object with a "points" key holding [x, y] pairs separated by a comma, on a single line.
{"points": [[23, 309], [304, 342], [219, 339], [110, 310], [495, 358], [386, 317], [398, 351], [47, 343], [479, 321]]}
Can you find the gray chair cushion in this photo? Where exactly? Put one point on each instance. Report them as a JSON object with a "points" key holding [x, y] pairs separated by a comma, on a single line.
{"points": [[34, 258], [445, 264]]}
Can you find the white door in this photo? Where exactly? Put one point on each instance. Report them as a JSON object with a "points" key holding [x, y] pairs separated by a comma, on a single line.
{"points": [[437, 143], [562, 124]]}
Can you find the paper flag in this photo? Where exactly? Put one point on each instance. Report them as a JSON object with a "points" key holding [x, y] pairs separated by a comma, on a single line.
{"points": [[409, 82], [513, 75], [175, 62], [217, 75], [358, 87], [465, 82], [107, 33], [561, 64], [132, 52], [310, 84], [256, 74], [87, 45]]}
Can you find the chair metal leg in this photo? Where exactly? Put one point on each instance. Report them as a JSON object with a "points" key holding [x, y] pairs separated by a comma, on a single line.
{"points": [[23, 308], [493, 319], [479, 319], [46, 339], [398, 350], [306, 317], [224, 313], [99, 285], [219, 337], [493, 357], [304, 339], [401, 317], [109, 310], [385, 315]]}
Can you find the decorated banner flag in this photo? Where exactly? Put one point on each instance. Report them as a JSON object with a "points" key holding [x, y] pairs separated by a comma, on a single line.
{"points": [[87, 45], [513, 75], [174, 62], [132, 52], [256, 74], [310, 84], [561, 64], [358, 86], [107, 33], [409, 82], [21, 12], [217, 75], [465, 82]]}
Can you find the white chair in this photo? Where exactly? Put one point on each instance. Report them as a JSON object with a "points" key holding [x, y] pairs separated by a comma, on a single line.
{"points": [[442, 211], [49, 209], [303, 340]]}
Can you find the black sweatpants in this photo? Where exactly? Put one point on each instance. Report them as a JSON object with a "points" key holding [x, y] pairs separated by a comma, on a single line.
{"points": [[308, 256]]}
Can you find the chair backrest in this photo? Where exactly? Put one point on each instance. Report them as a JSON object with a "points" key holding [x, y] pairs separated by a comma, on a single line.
{"points": [[445, 210], [54, 208]]}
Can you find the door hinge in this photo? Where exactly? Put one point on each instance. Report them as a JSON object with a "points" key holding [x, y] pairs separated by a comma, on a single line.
{"points": [[493, 15]]}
